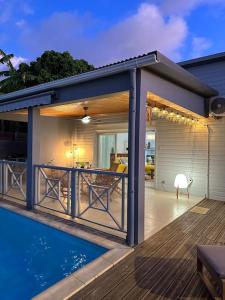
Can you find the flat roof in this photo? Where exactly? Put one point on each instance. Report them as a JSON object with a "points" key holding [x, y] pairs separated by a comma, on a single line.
{"points": [[153, 61]]}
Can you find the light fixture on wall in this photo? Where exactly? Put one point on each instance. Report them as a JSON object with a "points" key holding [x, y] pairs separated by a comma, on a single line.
{"points": [[86, 119]]}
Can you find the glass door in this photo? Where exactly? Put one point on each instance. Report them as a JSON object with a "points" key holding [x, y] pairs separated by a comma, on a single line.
{"points": [[106, 146]]}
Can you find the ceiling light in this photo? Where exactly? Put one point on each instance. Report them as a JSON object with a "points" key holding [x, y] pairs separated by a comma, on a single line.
{"points": [[86, 119]]}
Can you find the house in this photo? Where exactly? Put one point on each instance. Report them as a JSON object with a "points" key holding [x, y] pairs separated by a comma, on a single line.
{"points": [[104, 147]]}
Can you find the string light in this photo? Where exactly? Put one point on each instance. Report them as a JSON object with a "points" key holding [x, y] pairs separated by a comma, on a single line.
{"points": [[174, 116]]}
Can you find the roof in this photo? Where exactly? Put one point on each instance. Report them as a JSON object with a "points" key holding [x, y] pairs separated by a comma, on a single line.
{"points": [[153, 61], [203, 60]]}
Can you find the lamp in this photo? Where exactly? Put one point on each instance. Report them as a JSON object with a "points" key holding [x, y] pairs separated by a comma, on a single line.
{"points": [[181, 182]]}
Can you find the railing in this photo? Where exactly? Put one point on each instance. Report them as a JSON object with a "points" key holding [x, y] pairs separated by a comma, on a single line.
{"points": [[13, 179], [95, 196]]}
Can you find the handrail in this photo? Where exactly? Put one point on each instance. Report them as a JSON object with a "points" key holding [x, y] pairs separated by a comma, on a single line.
{"points": [[76, 193], [83, 170], [13, 161]]}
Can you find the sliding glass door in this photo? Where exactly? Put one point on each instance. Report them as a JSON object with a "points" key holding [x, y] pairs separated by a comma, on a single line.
{"points": [[106, 146]]}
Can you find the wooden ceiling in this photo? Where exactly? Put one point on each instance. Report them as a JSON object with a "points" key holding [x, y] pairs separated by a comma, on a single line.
{"points": [[110, 104]]}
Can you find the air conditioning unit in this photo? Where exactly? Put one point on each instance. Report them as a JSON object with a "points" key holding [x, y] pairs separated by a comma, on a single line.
{"points": [[217, 106]]}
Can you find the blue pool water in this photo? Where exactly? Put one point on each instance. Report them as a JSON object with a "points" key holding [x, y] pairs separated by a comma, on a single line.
{"points": [[34, 256]]}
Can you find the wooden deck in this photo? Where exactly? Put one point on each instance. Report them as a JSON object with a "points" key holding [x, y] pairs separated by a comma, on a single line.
{"points": [[164, 267]]}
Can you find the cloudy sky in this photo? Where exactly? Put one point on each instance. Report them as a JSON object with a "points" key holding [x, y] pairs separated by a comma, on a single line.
{"points": [[104, 31]]}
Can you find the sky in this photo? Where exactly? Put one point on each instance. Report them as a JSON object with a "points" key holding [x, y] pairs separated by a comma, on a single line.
{"points": [[105, 31]]}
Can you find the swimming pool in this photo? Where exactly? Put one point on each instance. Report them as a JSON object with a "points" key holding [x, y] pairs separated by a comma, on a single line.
{"points": [[34, 256]]}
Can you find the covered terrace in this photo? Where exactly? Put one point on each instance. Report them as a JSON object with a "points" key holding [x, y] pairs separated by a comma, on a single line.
{"points": [[104, 173]]}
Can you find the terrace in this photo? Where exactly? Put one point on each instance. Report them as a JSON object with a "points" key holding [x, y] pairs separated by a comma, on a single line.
{"points": [[110, 173], [87, 165], [164, 266]]}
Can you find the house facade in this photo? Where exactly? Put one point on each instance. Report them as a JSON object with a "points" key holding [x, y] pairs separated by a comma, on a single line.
{"points": [[149, 121]]}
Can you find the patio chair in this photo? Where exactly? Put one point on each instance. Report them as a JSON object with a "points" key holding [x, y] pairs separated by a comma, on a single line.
{"points": [[211, 268], [56, 184], [104, 185], [110, 181]]}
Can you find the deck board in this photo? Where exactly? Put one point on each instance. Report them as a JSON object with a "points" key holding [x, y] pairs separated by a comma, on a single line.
{"points": [[164, 266]]}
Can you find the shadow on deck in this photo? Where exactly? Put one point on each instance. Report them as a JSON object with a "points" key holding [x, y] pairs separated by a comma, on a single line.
{"points": [[164, 266]]}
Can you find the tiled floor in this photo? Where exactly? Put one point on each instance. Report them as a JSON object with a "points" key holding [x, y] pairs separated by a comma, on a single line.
{"points": [[161, 208]]}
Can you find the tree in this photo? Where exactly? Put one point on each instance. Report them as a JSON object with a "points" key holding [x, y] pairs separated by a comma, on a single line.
{"points": [[6, 59], [51, 65]]}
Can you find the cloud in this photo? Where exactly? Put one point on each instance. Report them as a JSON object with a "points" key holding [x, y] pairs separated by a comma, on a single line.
{"points": [[21, 23], [146, 30], [9, 8], [199, 46], [185, 7], [16, 60]]}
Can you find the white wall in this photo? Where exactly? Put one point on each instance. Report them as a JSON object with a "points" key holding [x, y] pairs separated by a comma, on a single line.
{"points": [[55, 139], [184, 149], [86, 135], [181, 149]]}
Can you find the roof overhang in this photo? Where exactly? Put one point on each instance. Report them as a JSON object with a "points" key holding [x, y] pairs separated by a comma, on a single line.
{"points": [[154, 62], [25, 102]]}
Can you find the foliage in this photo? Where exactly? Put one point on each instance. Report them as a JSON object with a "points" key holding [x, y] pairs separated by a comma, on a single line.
{"points": [[6, 59], [50, 66]]}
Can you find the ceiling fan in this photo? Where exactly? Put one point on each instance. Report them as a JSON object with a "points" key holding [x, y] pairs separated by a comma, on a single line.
{"points": [[86, 118]]}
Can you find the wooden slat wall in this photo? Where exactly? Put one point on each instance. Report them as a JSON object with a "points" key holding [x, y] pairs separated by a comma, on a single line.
{"points": [[86, 140], [86, 136], [217, 159], [181, 149]]}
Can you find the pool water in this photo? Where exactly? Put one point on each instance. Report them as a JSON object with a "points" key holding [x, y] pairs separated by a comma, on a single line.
{"points": [[34, 256]]}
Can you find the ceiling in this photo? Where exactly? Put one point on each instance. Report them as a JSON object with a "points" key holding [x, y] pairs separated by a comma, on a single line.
{"points": [[116, 103], [110, 104]]}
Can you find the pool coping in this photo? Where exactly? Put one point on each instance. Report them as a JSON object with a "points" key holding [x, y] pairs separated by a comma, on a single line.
{"points": [[69, 286]]}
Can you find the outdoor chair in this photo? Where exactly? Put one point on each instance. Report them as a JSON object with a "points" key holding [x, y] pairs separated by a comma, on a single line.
{"points": [[211, 268], [107, 182], [56, 184], [103, 185]]}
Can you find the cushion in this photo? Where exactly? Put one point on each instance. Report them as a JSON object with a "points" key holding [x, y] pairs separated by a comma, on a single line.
{"points": [[124, 161], [149, 168], [121, 168], [214, 257]]}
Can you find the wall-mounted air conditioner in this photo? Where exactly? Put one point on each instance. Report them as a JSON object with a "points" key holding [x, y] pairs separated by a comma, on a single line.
{"points": [[217, 106]]}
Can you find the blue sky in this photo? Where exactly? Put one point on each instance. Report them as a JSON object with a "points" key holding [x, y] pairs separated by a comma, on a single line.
{"points": [[103, 31]]}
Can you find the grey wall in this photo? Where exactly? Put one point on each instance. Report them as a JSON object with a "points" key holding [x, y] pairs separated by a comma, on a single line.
{"points": [[172, 92], [212, 74]]}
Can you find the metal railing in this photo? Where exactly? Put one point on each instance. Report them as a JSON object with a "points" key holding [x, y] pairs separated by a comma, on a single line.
{"points": [[13, 179], [95, 196]]}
